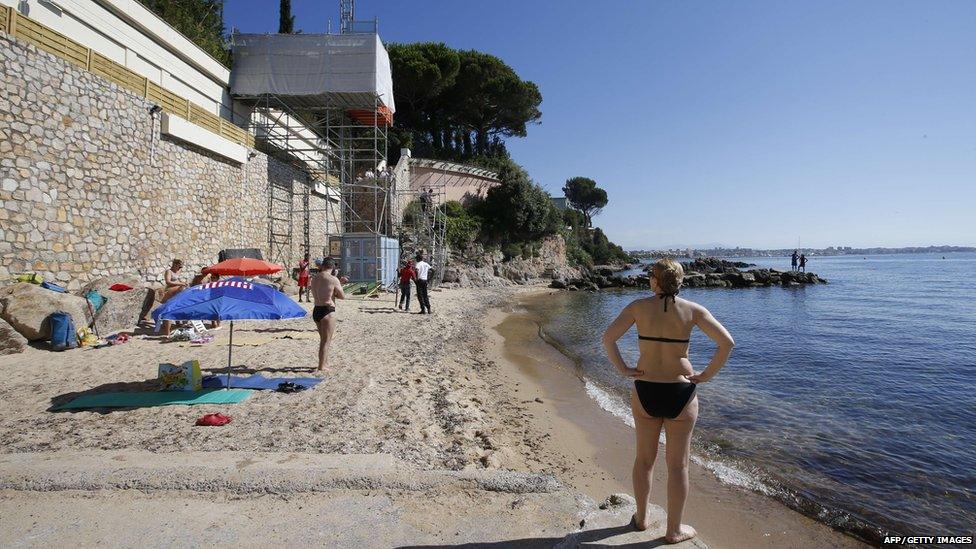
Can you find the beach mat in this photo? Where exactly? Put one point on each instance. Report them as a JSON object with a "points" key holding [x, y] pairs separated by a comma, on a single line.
{"points": [[155, 398], [257, 381]]}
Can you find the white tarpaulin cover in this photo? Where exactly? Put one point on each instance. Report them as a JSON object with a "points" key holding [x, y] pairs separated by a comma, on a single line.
{"points": [[310, 70]]}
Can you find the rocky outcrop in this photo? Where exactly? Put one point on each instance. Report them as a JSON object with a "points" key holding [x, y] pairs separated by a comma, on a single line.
{"points": [[701, 273], [10, 341], [123, 310], [27, 306], [477, 267], [102, 284], [708, 265], [288, 285]]}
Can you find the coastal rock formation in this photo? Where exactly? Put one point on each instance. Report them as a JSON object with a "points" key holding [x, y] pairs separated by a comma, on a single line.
{"points": [[123, 310], [102, 284], [714, 273], [27, 306], [288, 285], [10, 341], [478, 267]]}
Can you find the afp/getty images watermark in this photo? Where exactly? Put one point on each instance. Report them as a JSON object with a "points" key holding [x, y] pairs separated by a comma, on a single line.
{"points": [[928, 540]]}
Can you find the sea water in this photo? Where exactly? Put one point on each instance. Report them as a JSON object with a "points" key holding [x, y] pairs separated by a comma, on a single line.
{"points": [[854, 401]]}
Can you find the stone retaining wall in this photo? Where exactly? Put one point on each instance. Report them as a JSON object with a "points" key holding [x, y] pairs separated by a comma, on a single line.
{"points": [[89, 188]]}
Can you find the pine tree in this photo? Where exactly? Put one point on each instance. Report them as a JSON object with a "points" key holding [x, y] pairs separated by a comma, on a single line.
{"points": [[286, 21]]}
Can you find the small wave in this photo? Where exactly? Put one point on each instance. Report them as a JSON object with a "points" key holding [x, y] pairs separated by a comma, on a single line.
{"points": [[734, 476], [725, 472], [609, 402]]}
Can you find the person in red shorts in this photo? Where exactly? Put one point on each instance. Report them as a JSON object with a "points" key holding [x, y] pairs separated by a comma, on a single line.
{"points": [[304, 274]]}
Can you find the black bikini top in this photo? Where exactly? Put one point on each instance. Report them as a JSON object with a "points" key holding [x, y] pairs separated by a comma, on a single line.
{"points": [[665, 297], [663, 339]]}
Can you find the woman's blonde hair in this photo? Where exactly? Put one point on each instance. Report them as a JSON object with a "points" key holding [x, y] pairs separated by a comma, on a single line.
{"points": [[669, 274]]}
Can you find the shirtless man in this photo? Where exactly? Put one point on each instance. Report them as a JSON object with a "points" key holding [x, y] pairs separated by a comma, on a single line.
{"points": [[325, 289]]}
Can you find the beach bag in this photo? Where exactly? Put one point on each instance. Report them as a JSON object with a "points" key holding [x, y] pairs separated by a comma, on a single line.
{"points": [[33, 278], [185, 377], [96, 299], [63, 333], [86, 337], [54, 287]]}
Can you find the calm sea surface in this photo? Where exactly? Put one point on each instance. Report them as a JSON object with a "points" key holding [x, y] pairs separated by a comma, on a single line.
{"points": [[853, 401]]}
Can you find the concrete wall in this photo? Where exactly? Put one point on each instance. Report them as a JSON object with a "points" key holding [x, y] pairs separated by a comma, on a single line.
{"points": [[89, 188], [458, 181]]}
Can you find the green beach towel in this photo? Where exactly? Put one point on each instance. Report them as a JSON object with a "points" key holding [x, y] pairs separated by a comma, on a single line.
{"points": [[156, 398]]}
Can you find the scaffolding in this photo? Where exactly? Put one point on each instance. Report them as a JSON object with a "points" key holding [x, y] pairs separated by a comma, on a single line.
{"points": [[422, 227], [337, 134], [345, 161]]}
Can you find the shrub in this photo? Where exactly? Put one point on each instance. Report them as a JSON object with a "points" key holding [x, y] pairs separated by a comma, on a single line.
{"points": [[511, 250]]}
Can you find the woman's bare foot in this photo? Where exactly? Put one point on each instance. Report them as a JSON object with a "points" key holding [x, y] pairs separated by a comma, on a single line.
{"points": [[684, 532], [639, 526]]}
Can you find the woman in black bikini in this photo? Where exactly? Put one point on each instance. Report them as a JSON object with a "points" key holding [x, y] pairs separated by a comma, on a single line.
{"points": [[664, 385]]}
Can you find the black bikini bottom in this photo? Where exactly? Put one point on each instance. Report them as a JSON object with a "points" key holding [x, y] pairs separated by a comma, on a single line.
{"points": [[322, 311], [664, 399]]}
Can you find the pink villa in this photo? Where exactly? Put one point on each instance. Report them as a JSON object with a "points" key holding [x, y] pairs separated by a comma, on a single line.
{"points": [[457, 180]]}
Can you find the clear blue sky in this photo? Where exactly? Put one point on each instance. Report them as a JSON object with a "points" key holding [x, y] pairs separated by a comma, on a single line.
{"points": [[736, 123]]}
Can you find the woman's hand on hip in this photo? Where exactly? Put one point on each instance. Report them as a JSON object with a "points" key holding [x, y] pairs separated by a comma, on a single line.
{"points": [[631, 373], [700, 377]]}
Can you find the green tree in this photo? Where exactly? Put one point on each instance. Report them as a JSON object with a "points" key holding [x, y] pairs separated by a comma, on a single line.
{"points": [[585, 196], [458, 105], [462, 227], [286, 21], [488, 100], [518, 210], [199, 20]]}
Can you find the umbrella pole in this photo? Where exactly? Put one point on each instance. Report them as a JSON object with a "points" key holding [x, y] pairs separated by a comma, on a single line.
{"points": [[230, 352]]}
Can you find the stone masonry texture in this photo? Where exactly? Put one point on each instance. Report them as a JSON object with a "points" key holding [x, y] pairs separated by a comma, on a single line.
{"points": [[89, 187]]}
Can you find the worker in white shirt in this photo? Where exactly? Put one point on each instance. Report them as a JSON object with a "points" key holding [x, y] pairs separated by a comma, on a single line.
{"points": [[423, 274]]}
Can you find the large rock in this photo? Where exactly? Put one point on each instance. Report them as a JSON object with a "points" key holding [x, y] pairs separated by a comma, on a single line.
{"points": [[558, 283], [451, 274], [102, 284], [27, 307], [123, 310], [10, 341], [288, 286]]}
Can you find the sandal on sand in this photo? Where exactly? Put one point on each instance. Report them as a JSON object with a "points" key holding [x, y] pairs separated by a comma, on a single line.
{"points": [[289, 387]]}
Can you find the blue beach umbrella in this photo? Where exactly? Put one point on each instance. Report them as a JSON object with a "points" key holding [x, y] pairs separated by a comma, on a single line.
{"points": [[229, 299]]}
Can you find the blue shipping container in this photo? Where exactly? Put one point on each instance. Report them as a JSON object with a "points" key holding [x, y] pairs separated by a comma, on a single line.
{"points": [[364, 255]]}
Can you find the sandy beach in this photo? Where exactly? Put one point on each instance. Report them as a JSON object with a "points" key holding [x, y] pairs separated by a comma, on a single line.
{"points": [[422, 415]]}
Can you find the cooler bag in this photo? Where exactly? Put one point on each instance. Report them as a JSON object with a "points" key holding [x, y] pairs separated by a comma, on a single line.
{"points": [[185, 377]]}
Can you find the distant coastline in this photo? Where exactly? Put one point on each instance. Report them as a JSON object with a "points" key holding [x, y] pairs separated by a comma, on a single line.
{"points": [[785, 252]]}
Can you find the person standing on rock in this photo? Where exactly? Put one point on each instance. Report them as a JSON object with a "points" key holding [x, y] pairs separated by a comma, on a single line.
{"points": [[326, 288], [803, 262], [172, 286], [664, 395], [422, 269], [794, 260], [304, 274]]}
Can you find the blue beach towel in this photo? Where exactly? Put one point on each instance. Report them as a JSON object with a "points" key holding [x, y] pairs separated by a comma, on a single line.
{"points": [[257, 382], [155, 398]]}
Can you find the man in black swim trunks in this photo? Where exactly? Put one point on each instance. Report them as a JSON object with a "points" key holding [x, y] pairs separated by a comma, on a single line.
{"points": [[326, 288]]}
